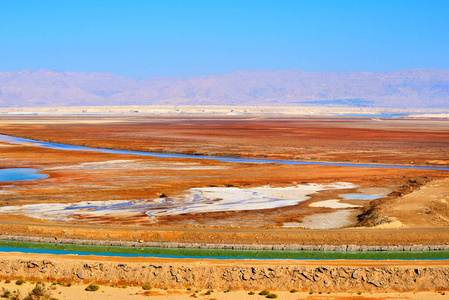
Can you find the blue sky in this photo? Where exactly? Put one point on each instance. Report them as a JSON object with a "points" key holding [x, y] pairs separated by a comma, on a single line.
{"points": [[180, 38]]}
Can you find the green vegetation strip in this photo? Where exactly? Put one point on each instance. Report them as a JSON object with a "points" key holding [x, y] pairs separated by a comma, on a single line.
{"points": [[260, 254]]}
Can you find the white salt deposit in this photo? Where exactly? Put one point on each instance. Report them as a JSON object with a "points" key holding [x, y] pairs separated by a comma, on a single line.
{"points": [[138, 165], [213, 199], [196, 200], [336, 219], [64, 211], [334, 203]]}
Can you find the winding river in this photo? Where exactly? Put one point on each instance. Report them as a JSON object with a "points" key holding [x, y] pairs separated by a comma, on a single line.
{"points": [[16, 140]]}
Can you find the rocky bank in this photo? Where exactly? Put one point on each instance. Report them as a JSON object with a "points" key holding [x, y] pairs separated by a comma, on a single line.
{"points": [[235, 275]]}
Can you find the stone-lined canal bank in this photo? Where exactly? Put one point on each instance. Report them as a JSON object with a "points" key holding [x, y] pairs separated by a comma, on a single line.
{"points": [[175, 245]]}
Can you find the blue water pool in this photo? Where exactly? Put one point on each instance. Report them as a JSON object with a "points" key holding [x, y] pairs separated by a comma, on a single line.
{"points": [[20, 174]]}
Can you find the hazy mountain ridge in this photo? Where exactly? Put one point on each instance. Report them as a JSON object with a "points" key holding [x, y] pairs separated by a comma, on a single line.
{"points": [[420, 88]]}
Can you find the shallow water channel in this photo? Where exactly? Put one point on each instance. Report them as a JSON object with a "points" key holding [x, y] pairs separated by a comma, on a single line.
{"points": [[16, 140], [221, 254]]}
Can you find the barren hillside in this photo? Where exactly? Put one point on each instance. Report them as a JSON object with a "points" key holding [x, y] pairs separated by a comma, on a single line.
{"points": [[404, 89]]}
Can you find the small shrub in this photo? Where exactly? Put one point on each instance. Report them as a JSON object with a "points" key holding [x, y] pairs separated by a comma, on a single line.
{"points": [[189, 288], [20, 281], [272, 296], [359, 292], [227, 291], [39, 292], [293, 291], [69, 284], [146, 287], [320, 292], [124, 286], [15, 295], [264, 293], [5, 293], [251, 293], [209, 292], [311, 292], [92, 288]]}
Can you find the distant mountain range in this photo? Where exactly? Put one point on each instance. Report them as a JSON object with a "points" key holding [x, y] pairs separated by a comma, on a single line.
{"points": [[419, 88]]}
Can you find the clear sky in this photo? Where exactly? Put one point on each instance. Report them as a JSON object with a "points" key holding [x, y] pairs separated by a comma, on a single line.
{"points": [[173, 37]]}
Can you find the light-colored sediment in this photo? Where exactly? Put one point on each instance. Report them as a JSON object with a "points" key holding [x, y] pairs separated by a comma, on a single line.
{"points": [[208, 110], [333, 204], [425, 207], [335, 219], [196, 200]]}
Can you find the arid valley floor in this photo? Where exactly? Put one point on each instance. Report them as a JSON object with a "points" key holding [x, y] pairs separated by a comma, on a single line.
{"points": [[199, 200]]}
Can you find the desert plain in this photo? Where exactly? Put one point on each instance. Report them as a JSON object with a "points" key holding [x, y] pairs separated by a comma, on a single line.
{"points": [[367, 192]]}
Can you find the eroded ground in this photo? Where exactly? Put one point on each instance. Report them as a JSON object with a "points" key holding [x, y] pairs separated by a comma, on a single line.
{"points": [[121, 190], [233, 279]]}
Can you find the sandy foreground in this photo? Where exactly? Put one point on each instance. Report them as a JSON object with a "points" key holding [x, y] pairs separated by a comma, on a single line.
{"points": [[77, 292]]}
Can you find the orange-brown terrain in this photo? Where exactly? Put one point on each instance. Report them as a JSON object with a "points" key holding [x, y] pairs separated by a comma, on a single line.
{"points": [[76, 176], [198, 201]]}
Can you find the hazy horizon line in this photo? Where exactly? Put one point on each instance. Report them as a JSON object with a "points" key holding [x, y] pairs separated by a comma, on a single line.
{"points": [[225, 73]]}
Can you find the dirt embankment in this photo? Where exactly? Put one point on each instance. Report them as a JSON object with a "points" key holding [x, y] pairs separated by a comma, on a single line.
{"points": [[426, 206], [332, 276]]}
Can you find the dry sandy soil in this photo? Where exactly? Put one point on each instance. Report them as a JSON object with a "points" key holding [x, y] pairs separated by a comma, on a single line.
{"points": [[77, 292]]}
